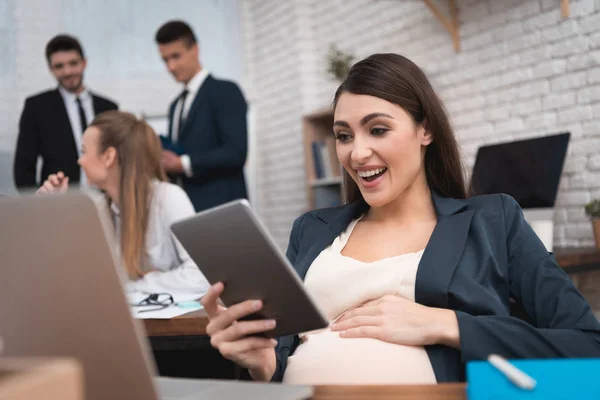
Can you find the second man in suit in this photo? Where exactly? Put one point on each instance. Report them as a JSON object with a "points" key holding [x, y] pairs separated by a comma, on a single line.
{"points": [[53, 122], [207, 144]]}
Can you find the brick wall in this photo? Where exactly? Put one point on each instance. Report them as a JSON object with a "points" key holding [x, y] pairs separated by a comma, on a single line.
{"points": [[523, 71]]}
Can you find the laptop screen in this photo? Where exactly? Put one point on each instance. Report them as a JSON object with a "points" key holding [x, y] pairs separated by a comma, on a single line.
{"points": [[528, 170]]}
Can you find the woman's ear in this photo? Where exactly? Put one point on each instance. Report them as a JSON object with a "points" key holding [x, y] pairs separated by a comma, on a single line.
{"points": [[109, 157], [425, 134]]}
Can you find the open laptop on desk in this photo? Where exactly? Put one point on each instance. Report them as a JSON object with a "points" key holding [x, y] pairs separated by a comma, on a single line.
{"points": [[528, 170], [61, 294]]}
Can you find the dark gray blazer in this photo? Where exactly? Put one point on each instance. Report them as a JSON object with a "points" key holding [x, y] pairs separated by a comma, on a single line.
{"points": [[481, 255], [215, 137]]}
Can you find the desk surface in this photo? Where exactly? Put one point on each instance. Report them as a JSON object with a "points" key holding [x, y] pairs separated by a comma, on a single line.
{"points": [[448, 391], [192, 324], [573, 259]]}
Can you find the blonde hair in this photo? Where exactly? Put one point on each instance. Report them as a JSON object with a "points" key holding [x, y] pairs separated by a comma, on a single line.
{"points": [[139, 154]]}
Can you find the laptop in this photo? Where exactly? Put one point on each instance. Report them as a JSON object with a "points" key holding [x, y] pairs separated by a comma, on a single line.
{"points": [[529, 171], [61, 295]]}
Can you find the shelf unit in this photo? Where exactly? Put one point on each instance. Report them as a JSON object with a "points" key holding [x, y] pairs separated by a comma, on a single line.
{"points": [[324, 191]]}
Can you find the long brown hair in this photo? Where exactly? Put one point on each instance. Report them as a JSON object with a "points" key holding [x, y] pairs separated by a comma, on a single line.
{"points": [[139, 155], [398, 80]]}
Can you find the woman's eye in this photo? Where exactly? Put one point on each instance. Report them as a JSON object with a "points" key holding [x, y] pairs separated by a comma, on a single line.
{"points": [[342, 137], [378, 131]]}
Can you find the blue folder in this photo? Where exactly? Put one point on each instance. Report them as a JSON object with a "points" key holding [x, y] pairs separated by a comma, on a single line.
{"points": [[556, 379], [167, 144]]}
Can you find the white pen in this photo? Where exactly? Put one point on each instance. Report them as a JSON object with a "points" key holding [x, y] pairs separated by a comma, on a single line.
{"points": [[514, 374]]}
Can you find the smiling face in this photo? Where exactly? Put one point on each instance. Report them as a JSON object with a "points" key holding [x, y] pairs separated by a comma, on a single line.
{"points": [[67, 67], [380, 146]]}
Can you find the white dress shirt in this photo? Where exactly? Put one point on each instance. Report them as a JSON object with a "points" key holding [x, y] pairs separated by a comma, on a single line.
{"points": [[193, 86], [87, 104], [177, 272]]}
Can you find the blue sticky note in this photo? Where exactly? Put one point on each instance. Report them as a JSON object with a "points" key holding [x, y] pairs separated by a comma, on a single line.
{"points": [[556, 379]]}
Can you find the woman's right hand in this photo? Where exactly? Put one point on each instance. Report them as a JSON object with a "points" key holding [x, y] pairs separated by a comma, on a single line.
{"points": [[233, 338], [55, 184]]}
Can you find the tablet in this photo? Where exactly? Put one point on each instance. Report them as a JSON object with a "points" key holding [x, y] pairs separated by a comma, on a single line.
{"points": [[230, 245]]}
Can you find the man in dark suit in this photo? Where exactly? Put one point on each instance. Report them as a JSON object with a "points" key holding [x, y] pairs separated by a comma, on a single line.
{"points": [[207, 144], [52, 122]]}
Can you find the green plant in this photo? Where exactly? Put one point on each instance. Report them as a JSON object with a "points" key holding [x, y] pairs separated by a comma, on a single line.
{"points": [[593, 208], [338, 63]]}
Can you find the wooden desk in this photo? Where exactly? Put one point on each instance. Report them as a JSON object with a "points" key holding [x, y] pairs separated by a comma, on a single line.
{"points": [[577, 259], [192, 324], [448, 391]]}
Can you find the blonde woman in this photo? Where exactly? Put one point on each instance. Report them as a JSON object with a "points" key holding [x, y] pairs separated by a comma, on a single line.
{"points": [[121, 155]]}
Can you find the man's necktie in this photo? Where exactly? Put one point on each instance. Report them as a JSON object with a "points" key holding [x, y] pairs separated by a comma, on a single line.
{"points": [[181, 119], [81, 116]]}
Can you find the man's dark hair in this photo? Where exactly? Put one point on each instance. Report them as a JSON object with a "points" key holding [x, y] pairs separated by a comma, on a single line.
{"points": [[175, 30], [63, 43]]}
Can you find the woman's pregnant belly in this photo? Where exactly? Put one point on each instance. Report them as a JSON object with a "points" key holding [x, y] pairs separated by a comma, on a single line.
{"points": [[323, 358]]}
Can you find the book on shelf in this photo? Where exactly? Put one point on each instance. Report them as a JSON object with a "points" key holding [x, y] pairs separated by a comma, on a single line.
{"points": [[325, 158]]}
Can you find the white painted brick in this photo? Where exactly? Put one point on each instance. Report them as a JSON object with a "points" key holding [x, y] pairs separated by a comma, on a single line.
{"points": [[560, 216], [497, 113], [524, 108], [508, 31], [579, 230], [588, 95], [561, 31], [546, 120], [477, 41], [473, 102], [595, 40], [475, 132], [549, 5], [577, 114], [574, 128], [528, 8], [569, 46], [568, 81], [517, 75], [591, 128], [594, 75], [559, 100], [585, 146], [487, 84], [499, 6], [583, 60], [575, 165], [582, 8], [475, 12], [533, 56], [591, 22], [530, 89], [526, 41], [577, 215], [502, 96], [543, 20], [574, 198], [594, 163], [511, 125], [584, 180], [550, 68], [469, 118]]}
